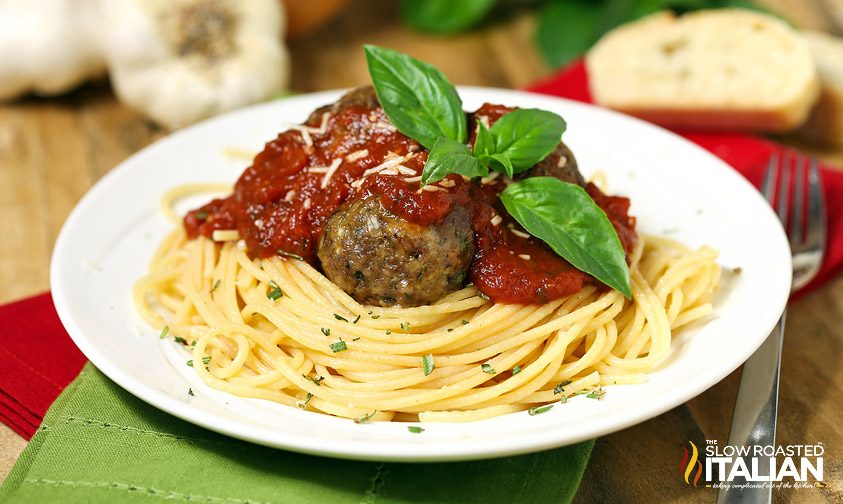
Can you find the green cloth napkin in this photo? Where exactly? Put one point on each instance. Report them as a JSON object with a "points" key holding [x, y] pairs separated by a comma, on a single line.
{"points": [[98, 443]]}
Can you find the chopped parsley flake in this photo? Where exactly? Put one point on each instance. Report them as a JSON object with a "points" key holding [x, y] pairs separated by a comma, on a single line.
{"points": [[216, 285], [415, 429], [326, 331], [179, 339], [563, 399], [274, 291], [463, 322], [516, 370], [450, 329], [389, 331], [284, 253], [201, 215], [164, 332], [190, 392], [376, 316], [303, 404], [538, 410], [316, 381], [356, 320], [561, 387], [405, 326], [355, 339], [338, 346], [205, 360], [365, 418], [427, 364], [596, 394], [487, 368], [484, 297], [340, 317]]}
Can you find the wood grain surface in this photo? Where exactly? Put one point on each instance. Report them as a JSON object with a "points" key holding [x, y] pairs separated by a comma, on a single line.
{"points": [[52, 150]]}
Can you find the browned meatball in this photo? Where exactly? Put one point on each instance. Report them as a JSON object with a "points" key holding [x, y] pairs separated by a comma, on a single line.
{"points": [[561, 164], [363, 97], [381, 259]]}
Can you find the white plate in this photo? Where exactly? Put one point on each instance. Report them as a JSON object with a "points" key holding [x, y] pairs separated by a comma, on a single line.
{"points": [[676, 189]]}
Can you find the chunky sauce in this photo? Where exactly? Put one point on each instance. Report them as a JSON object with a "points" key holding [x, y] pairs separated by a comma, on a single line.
{"points": [[281, 203]]}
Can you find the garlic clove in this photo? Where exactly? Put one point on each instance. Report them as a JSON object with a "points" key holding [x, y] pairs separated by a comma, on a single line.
{"points": [[48, 47], [185, 60]]}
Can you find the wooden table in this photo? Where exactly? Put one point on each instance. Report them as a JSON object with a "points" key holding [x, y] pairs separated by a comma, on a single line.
{"points": [[51, 151]]}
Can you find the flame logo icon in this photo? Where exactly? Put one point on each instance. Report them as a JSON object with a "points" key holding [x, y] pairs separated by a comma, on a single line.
{"points": [[689, 463]]}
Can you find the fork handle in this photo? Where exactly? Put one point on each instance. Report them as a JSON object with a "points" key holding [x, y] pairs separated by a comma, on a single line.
{"points": [[754, 420]]}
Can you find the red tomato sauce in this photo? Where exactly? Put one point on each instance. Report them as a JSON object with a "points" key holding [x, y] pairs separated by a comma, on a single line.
{"points": [[280, 204]]}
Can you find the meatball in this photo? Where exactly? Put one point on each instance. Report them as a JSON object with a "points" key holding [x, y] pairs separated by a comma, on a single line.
{"points": [[363, 97], [381, 259], [560, 164]]}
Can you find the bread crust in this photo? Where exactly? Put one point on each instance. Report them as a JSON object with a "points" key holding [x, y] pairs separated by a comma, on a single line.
{"points": [[699, 88]]}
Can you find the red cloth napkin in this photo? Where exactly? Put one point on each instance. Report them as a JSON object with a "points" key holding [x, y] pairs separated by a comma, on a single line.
{"points": [[38, 359]]}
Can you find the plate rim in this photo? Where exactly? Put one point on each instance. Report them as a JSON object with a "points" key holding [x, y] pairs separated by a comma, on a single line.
{"points": [[420, 452]]}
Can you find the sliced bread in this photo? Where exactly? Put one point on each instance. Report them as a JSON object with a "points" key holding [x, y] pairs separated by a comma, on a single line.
{"points": [[709, 69], [825, 124]]}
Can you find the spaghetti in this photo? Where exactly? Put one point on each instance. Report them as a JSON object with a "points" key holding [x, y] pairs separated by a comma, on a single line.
{"points": [[277, 329]]}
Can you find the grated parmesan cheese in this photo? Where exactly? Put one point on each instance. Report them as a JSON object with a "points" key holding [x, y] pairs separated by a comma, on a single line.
{"points": [[497, 219], [330, 173], [526, 257], [354, 156], [290, 195], [306, 204], [323, 127], [516, 232], [447, 183], [304, 131], [392, 159]]}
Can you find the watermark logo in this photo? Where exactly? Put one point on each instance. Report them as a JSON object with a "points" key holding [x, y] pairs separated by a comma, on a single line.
{"points": [[780, 466], [691, 465]]}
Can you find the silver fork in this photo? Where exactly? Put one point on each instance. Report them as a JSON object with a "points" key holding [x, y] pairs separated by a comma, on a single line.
{"points": [[754, 419]]}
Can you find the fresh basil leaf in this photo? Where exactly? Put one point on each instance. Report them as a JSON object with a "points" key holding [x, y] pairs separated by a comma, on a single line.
{"points": [[418, 99], [567, 28], [525, 137], [449, 156], [565, 217], [483, 142], [498, 162], [444, 16]]}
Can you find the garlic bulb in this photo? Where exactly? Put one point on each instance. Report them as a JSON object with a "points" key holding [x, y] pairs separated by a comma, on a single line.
{"points": [[48, 46], [179, 61]]}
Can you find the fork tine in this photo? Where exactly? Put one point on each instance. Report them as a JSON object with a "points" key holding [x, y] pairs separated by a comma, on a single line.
{"points": [[784, 189], [798, 202], [815, 237], [768, 184]]}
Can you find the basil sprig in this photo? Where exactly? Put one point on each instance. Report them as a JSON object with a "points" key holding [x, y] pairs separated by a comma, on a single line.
{"points": [[515, 143], [418, 99], [423, 105], [519, 140], [565, 217]]}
